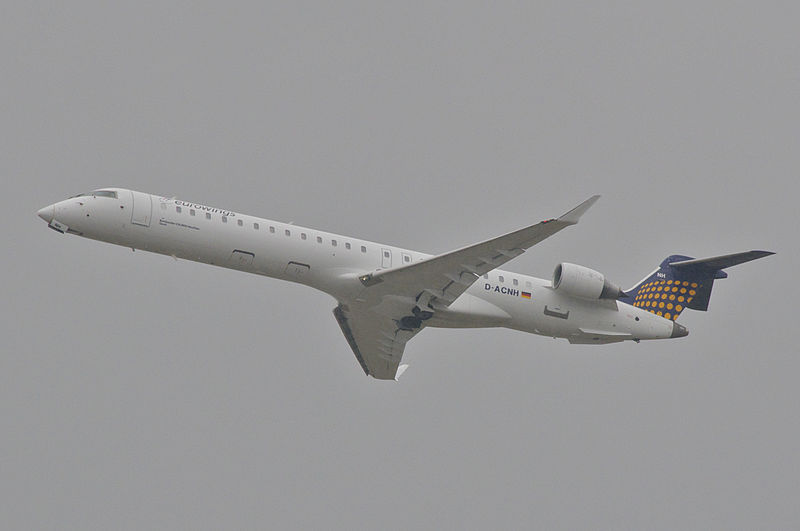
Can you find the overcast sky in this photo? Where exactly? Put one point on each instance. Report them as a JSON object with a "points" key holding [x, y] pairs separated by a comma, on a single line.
{"points": [[139, 392]]}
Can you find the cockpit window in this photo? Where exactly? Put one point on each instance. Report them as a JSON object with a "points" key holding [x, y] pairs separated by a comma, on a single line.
{"points": [[98, 193], [105, 193]]}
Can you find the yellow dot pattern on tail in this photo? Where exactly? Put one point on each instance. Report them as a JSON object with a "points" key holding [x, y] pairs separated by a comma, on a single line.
{"points": [[672, 295]]}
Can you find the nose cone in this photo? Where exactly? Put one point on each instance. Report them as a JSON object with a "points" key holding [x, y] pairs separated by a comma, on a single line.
{"points": [[678, 330], [46, 213]]}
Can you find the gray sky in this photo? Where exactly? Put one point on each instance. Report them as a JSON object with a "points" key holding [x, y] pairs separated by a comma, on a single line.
{"points": [[139, 392]]}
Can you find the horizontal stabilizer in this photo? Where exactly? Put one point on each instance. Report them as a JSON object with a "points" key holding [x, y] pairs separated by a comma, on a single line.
{"points": [[720, 262]]}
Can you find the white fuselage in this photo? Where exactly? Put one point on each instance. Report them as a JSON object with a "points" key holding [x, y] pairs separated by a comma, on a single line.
{"points": [[332, 263]]}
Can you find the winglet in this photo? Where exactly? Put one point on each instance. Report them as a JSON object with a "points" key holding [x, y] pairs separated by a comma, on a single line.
{"points": [[574, 215], [400, 370]]}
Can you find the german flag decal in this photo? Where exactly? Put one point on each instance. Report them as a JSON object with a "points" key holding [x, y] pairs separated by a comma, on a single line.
{"points": [[526, 295]]}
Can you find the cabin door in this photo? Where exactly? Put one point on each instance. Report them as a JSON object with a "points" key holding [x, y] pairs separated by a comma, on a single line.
{"points": [[142, 210]]}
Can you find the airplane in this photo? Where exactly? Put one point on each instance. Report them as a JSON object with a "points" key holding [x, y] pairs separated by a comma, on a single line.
{"points": [[386, 295]]}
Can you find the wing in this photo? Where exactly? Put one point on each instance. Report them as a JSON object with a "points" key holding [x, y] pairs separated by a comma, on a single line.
{"points": [[395, 303], [438, 281], [376, 340]]}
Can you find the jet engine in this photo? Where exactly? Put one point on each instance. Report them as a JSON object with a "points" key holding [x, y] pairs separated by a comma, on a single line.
{"points": [[579, 281]]}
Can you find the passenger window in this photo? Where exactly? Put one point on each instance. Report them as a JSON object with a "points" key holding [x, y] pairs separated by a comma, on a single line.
{"points": [[224, 219], [191, 212], [272, 230], [288, 232], [240, 222], [516, 282], [501, 278], [303, 236], [347, 245], [333, 243], [406, 258], [363, 249], [208, 215], [178, 209], [255, 226], [319, 239]]}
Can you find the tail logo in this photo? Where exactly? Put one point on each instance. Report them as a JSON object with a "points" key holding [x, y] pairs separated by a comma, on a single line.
{"points": [[666, 298]]}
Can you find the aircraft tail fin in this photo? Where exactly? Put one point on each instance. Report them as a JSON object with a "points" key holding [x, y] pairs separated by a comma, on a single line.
{"points": [[683, 282]]}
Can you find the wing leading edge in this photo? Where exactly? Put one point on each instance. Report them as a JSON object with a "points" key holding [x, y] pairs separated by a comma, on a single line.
{"points": [[394, 304], [441, 279]]}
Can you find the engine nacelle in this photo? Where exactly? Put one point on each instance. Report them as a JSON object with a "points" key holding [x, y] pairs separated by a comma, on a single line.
{"points": [[579, 281]]}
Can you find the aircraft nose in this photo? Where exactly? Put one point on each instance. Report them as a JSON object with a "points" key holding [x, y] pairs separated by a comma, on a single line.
{"points": [[47, 213], [678, 330]]}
